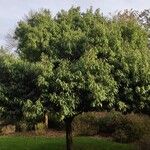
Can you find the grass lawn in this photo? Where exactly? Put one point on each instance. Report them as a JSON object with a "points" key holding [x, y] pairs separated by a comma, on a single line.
{"points": [[43, 143]]}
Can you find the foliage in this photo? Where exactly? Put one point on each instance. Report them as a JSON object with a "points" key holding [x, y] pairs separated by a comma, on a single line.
{"points": [[86, 124], [110, 122], [8, 129], [128, 133], [22, 126], [55, 123], [17, 85], [96, 62], [124, 128], [32, 112], [77, 62], [144, 143], [40, 128], [120, 136], [143, 18]]}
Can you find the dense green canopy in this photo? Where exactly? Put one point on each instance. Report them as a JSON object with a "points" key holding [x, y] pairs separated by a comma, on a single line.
{"points": [[96, 61], [76, 62], [17, 84]]}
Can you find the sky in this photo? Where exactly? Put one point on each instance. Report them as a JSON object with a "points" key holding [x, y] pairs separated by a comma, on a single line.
{"points": [[11, 11]]}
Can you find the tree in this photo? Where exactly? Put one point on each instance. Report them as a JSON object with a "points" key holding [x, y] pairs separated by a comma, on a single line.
{"points": [[144, 19], [91, 62], [132, 73], [17, 88]]}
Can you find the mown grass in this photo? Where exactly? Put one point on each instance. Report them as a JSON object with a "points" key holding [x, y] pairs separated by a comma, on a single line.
{"points": [[43, 143]]}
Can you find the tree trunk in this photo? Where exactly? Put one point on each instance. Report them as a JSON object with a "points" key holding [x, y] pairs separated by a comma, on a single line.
{"points": [[69, 141], [46, 120]]}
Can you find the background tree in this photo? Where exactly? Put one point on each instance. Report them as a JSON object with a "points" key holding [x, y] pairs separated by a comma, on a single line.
{"points": [[92, 62], [17, 88], [144, 19], [132, 63]]}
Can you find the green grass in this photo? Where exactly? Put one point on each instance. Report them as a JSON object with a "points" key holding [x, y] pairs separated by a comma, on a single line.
{"points": [[42, 143]]}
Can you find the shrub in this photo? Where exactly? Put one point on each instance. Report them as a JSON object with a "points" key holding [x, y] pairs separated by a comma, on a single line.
{"points": [[8, 129], [137, 126], [124, 128], [40, 128], [128, 133], [140, 122], [55, 123], [144, 143], [86, 124], [120, 136], [22, 127], [110, 122]]}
